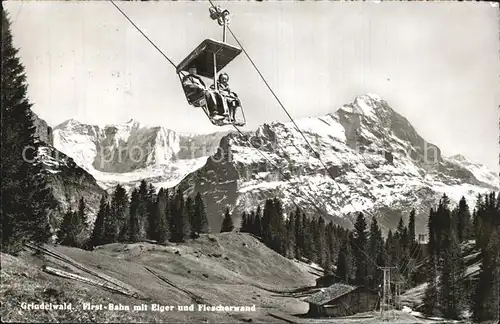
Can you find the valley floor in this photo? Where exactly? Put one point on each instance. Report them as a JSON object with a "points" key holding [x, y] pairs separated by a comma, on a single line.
{"points": [[228, 269]]}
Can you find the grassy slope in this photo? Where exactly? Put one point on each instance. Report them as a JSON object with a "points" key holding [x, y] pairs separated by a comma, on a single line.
{"points": [[227, 269]]}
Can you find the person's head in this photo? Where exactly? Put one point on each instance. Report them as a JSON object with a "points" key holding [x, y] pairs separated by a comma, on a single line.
{"points": [[223, 78], [192, 70]]}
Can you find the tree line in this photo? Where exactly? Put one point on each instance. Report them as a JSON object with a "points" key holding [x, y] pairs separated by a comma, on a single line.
{"points": [[357, 253], [448, 291], [145, 215]]}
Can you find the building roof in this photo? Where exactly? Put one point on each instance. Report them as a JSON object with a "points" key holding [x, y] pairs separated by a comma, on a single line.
{"points": [[327, 294]]}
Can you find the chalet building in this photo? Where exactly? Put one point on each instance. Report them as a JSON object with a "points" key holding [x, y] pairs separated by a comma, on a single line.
{"points": [[341, 300]]}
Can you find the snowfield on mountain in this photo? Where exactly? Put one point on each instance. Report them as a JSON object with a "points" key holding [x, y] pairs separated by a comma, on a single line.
{"points": [[375, 160]]}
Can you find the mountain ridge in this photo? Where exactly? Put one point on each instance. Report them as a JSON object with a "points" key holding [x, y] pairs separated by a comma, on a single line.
{"points": [[376, 160]]}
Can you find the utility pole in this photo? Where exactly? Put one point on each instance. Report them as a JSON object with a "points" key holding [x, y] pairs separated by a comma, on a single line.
{"points": [[397, 291], [385, 304]]}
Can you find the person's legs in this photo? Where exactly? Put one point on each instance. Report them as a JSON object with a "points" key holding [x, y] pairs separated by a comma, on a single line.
{"points": [[220, 104], [211, 103]]}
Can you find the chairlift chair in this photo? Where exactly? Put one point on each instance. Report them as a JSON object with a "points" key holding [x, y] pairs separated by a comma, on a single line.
{"points": [[209, 58]]}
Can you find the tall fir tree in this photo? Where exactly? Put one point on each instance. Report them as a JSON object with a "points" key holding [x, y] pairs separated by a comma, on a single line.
{"points": [[411, 228], [299, 234], [227, 222], [486, 297], [97, 236], [200, 224], [180, 228], [431, 228], [290, 239], [430, 300], [345, 266], [116, 225], [27, 199], [360, 245], [258, 222], [161, 218], [69, 229], [244, 223], [463, 221], [82, 212], [190, 210], [451, 289], [150, 206], [134, 216], [376, 250], [142, 210]]}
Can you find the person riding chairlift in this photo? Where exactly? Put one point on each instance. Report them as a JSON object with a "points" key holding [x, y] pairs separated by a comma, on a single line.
{"points": [[231, 98], [195, 87]]}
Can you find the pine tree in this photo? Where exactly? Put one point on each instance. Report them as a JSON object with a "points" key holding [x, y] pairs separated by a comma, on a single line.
{"points": [[143, 209], [399, 243], [451, 290], [227, 222], [375, 249], [72, 231], [389, 249], [258, 222], [200, 215], [116, 226], [320, 241], [82, 216], [299, 234], [190, 209], [431, 295], [244, 223], [27, 199], [187, 212], [134, 216], [307, 245], [161, 219], [267, 216], [97, 237], [150, 206], [290, 240], [179, 218], [411, 228], [485, 301], [431, 226], [343, 262], [463, 221], [69, 230], [360, 244]]}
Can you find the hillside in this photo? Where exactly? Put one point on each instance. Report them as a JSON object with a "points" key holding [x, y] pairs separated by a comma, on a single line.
{"points": [[227, 269]]}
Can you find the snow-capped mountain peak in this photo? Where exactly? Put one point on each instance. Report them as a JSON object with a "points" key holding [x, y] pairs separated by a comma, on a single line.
{"points": [[376, 162], [129, 152]]}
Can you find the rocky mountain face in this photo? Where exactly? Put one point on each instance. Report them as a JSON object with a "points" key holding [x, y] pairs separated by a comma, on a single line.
{"points": [[127, 153], [69, 182], [373, 160]]}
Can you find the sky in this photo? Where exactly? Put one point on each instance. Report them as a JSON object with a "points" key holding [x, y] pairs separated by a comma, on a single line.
{"points": [[436, 63]]}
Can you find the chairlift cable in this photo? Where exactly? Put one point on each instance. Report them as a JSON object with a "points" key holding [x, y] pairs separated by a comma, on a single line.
{"points": [[140, 31]]}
